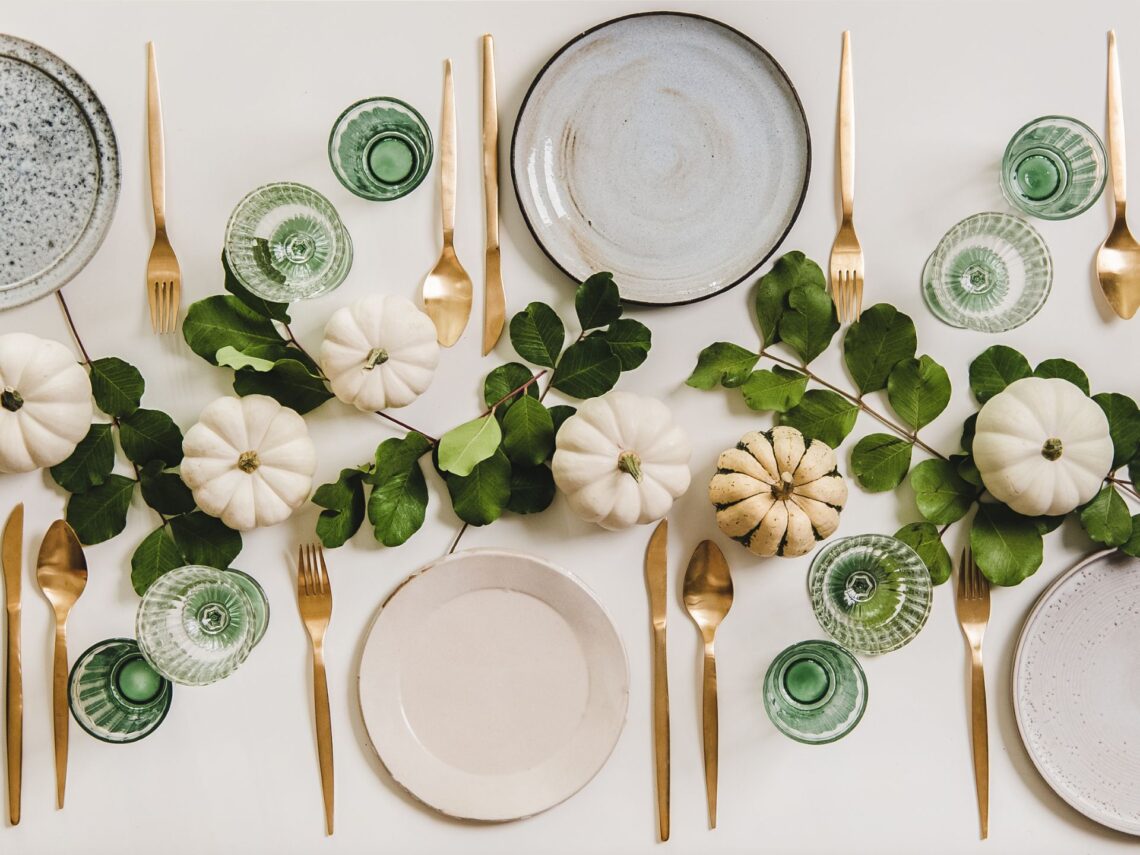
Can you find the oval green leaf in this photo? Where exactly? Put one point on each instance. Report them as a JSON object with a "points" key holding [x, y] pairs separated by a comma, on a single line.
{"points": [[461, 448], [880, 461]]}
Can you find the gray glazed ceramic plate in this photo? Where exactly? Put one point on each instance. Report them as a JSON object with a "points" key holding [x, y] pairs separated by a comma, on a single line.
{"points": [[59, 172], [666, 148]]}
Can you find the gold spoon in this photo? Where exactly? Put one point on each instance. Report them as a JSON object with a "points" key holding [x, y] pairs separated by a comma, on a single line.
{"points": [[1118, 261], [447, 289], [708, 597], [62, 574]]}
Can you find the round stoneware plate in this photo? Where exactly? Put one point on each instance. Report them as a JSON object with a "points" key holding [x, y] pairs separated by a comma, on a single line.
{"points": [[1076, 688], [59, 172], [666, 148], [493, 685]]}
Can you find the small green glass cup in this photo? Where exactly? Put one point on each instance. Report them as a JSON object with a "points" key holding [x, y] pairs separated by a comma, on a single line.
{"points": [[1054, 168], [380, 148], [115, 695], [815, 692]]}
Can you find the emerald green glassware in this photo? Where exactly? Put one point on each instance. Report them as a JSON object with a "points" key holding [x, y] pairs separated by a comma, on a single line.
{"points": [[1054, 168], [871, 593], [991, 272], [115, 695], [380, 148], [286, 242], [815, 692]]}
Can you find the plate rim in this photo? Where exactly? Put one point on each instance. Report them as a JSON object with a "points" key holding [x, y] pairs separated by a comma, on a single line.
{"points": [[674, 14]]}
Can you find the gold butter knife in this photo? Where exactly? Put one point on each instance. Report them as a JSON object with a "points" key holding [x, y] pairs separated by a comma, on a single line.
{"points": [[11, 556], [656, 581], [494, 298]]}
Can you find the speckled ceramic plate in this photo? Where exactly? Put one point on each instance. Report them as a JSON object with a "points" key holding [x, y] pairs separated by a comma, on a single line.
{"points": [[59, 172], [1076, 688], [666, 148]]}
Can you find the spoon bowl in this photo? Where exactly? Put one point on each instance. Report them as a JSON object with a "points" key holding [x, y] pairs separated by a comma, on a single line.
{"points": [[1118, 269], [447, 296]]}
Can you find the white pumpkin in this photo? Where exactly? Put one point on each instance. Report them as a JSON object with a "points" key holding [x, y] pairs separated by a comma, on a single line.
{"points": [[1042, 446], [249, 461], [45, 402], [380, 352], [777, 492], [620, 460]]}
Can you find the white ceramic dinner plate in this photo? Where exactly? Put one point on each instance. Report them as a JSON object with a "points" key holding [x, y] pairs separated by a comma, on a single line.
{"points": [[666, 148], [493, 685], [59, 172], [1076, 688]]}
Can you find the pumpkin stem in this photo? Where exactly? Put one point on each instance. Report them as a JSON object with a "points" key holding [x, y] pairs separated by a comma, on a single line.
{"points": [[11, 400], [1051, 450], [785, 488], [376, 356], [630, 463], [248, 462]]}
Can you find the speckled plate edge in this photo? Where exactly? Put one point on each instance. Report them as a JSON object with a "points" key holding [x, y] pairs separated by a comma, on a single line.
{"points": [[54, 277], [757, 46], [1038, 606]]}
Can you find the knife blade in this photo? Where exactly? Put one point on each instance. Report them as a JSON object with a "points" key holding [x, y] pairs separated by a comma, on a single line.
{"points": [[494, 298], [11, 557], [656, 582]]}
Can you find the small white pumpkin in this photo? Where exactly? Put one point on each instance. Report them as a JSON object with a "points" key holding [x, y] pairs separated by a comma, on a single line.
{"points": [[1042, 446], [777, 492], [249, 461], [45, 402], [380, 352], [621, 460]]}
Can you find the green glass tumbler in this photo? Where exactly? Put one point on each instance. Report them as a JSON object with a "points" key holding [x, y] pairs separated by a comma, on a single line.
{"points": [[815, 692], [115, 695], [1054, 168], [380, 148]]}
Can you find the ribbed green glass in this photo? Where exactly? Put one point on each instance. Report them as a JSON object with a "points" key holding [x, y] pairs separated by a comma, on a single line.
{"points": [[1054, 168], [380, 148], [815, 692], [115, 695], [871, 593]]}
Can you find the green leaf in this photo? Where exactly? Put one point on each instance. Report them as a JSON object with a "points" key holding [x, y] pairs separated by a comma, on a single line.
{"points": [[221, 320], [479, 498], [791, 270], [164, 491], [597, 301], [942, 495], [723, 362], [822, 415], [918, 390], [1123, 425], [880, 461], [532, 489], [117, 386], [1048, 524], [881, 339], [502, 380], [147, 435], [263, 307], [559, 413], [923, 538], [1007, 546], [474, 441], [994, 369], [969, 426], [629, 340], [1106, 518], [91, 462], [528, 433], [587, 369], [100, 513], [343, 503], [289, 383], [204, 539], [398, 503], [779, 389], [231, 357], [809, 322], [155, 556], [1132, 545], [1065, 370], [965, 466], [537, 334]]}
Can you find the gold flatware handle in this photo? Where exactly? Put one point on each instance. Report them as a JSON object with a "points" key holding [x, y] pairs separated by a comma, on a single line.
{"points": [[494, 298], [979, 729], [14, 709], [710, 725], [59, 711], [324, 736], [661, 730], [1116, 126], [846, 129], [156, 142], [447, 146]]}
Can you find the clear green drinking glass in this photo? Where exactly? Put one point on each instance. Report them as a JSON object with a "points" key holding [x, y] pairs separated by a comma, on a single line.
{"points": [[1054, 168], [257, 598], [991, 272], [115, 695], [815, 692], [196, 625], [286, 242], [380, 148], [871, 593]]}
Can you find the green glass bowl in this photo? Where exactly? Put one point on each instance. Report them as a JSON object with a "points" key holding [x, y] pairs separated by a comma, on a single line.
{"points": [[991, 272], [815, 692], [871, 593], [380, 148], [115, 695], [1054, 168]]}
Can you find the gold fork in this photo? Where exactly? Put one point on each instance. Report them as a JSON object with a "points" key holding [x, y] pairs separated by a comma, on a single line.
{"points": [[846, 253], [973, 603], [163, 276], [314, 596]]}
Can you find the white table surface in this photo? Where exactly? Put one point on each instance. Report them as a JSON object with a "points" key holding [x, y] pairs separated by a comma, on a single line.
{"points": [[250, 92]]}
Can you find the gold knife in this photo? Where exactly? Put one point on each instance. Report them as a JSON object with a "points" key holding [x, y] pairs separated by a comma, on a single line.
{"points": [[494, 299], [656, 581], [11, 556]]}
